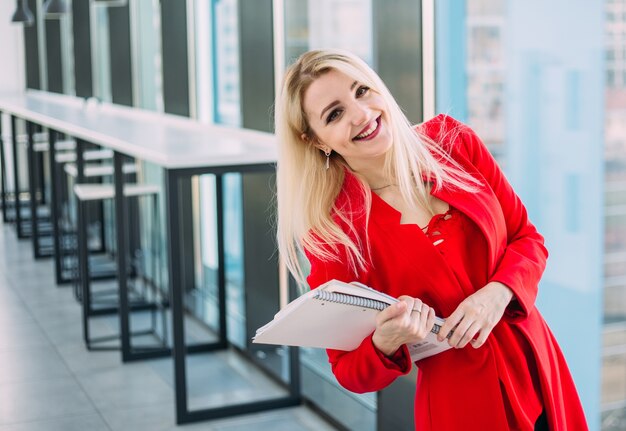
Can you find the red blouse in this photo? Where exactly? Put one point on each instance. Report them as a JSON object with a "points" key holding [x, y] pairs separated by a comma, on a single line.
{"points": [[489, 388], [464, 250]]}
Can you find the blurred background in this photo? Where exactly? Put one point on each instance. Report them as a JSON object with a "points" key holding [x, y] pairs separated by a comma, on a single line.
{"points": [[543, 84]]}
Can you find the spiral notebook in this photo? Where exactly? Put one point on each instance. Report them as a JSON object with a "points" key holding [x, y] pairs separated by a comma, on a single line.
{"points": [[338, 315]]}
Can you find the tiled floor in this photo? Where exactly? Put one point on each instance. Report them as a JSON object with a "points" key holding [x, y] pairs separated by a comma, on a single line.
{"points": [[50, 382]]}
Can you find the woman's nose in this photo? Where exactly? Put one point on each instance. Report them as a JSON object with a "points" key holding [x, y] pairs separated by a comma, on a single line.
{"points": [[360, 114]]}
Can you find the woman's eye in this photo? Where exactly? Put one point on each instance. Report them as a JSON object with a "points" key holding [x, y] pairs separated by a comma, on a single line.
{"points": [[362, 90], [333, 116]]}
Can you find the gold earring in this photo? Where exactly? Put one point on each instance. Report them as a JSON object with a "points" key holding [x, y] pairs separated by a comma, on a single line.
{"points": [[327, 159]]}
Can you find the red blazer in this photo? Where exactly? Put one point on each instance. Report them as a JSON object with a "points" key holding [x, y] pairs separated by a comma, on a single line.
{"points": [[458, 389]]}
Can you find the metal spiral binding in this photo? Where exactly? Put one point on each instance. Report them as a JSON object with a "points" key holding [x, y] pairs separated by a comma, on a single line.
{"points": [[342, 298]]}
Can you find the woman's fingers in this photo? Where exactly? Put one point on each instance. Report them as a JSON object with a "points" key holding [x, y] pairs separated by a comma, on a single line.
{"points": [[412, 303], [391, 312], [430, 320], [469, 334], [451, 322], [408, 320], [423, 321], [480, 340], [459, 331]]}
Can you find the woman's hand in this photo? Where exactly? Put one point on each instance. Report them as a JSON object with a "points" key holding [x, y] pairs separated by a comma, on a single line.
{"points": [[407, 321], [478, 314]]}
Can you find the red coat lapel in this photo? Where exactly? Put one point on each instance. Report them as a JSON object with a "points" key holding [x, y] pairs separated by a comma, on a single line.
{"points": [[483, 209]]}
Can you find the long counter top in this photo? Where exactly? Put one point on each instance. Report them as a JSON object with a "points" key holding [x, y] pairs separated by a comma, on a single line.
{"points": [[166, 140]]}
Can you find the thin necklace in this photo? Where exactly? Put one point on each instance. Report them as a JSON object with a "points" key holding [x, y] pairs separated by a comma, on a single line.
{"points": [[383, 187]]}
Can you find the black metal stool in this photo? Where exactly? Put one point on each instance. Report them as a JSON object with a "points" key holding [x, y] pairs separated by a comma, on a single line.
{"points": [[144, 298], [66, 266]]}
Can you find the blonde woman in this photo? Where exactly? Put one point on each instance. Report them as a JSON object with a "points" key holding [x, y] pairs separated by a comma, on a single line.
{"points": [[424, 214]]}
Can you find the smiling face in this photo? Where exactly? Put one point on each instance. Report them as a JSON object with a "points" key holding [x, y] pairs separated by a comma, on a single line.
{"points": [[349, 118]]}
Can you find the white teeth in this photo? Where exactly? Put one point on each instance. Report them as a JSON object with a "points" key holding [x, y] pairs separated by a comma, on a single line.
{"points": [[368, 132]]}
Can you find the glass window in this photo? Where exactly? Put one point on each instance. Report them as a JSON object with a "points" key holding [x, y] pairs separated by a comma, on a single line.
{"points": [[614, 358], [41, 47], [485, 8], [345, 24], [610, 54], [226, 63], [101, 56], [532, 98], [204, 60], [610, 78], [146, 53], [218, 101], [147, 75], [485, 66], [233, 255], [67, 54]]}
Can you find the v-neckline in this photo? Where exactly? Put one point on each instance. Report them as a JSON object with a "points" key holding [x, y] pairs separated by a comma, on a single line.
{"points": [[394, 216]]}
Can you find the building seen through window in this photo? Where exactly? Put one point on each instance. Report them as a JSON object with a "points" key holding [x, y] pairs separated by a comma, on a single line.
{"points": [[614, 354]]}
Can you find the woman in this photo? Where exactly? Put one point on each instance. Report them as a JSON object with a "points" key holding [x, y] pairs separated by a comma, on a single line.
{"points": [[424, 214]]}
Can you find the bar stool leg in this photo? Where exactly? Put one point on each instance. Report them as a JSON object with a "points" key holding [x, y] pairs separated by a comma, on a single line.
{"points": [[16, 180], [122, 246], [158, 255], [155, 268], [3, 173], [32, 191], [83, 269], [58, 249]]}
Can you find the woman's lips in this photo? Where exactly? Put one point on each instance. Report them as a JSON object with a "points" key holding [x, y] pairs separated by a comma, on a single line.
{"points": [[371, 135]]}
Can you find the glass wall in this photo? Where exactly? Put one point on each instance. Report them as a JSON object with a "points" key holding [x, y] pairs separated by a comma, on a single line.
{"points": [[67, 57], [147, 59], [485, 71], [227, 109], [542, 94], [218, 102], [614, 352], [535, 97], [345, 24], [147, 84], [100, 52]]}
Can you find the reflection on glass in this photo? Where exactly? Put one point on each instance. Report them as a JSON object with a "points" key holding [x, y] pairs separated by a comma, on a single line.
{"points": [[345, 24], [147, 59], [614, 355], [485, 71], [552, 98], [101, 55], [233, 250], [67, 54], [203, 299], [148, 87], [226, 63], [205, 303]]}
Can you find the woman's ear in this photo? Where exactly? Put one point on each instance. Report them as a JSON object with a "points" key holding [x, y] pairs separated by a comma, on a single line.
{"points": [[321, 147], [315, 143]]}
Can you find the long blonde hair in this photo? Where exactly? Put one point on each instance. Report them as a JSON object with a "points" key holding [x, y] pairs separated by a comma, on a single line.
{"points": [[306, 191]]}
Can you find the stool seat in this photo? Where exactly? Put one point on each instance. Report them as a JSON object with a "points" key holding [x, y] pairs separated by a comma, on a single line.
{"points": [[89, 155], [67, 144], [93, 170], [37, 137], [94, 192]]}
